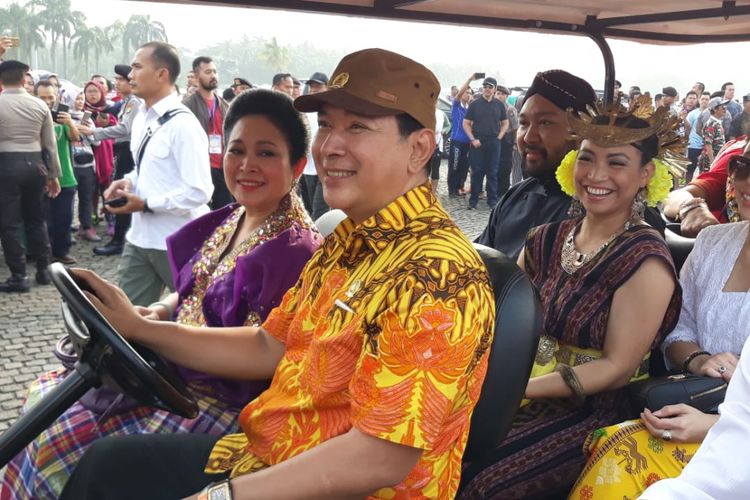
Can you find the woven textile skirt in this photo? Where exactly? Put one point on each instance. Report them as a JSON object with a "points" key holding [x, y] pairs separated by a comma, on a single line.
{"points": [[43, 468]]}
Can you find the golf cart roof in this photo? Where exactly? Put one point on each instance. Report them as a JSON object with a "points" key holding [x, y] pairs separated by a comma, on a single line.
{"points": [[662, 21]]}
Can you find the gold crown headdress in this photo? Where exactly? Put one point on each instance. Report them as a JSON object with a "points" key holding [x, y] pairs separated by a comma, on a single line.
{"points": [[661, 122]]}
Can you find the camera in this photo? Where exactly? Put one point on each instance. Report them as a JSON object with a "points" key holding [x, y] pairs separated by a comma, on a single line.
{"points": [[477, 76]]}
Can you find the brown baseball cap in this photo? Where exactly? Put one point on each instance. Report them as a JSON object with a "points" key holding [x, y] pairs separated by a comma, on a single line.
{"points": [[376, 82]]}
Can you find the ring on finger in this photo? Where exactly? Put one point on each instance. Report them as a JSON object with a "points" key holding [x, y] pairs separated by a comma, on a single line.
{"points": [[666, 435], [722, 368]]}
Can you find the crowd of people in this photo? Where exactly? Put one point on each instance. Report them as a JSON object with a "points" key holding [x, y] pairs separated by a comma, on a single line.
{"points": [[352, 363]]}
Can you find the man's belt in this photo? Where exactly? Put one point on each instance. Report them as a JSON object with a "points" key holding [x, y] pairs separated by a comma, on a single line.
{"points": [[21, 155]]}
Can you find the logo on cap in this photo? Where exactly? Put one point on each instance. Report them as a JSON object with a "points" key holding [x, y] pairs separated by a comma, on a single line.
{"points": [[339, 80]]}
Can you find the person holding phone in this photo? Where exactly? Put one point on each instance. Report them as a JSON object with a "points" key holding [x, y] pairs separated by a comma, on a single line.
{"points": [[171, 183], [30, 166], [60, 209], [84, 169], [124, 163]]}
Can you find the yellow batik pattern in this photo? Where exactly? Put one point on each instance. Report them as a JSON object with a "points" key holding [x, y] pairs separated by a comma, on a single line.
{"points": [[625, 459], [387, 331]]}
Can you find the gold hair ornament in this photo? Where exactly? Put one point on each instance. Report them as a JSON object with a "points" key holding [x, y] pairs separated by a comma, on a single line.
{"points": [[661, 122]]}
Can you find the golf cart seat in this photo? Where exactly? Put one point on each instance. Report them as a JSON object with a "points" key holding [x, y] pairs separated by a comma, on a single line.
{"points": [[518, 324]]}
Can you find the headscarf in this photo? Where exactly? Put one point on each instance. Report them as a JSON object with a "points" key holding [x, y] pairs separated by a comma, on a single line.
{"points": [[101, 104]]}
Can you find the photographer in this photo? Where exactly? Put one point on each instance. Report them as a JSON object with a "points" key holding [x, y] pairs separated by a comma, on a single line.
{"points": [[60, 210], [29, 166]]}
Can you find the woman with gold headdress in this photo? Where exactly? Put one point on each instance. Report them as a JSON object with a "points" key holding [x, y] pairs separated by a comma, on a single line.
{"points": [[707, 341], [609, 293]]}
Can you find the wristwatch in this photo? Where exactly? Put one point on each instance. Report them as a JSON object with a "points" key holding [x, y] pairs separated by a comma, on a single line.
{"points": [[145, 207], [221, 490]]}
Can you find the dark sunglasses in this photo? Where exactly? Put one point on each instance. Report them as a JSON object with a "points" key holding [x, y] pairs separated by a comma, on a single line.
{"points": [[488, 86], [739, 165]]}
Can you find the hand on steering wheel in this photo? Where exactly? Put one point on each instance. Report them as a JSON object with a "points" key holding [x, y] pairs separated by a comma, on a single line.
{"points": [[112, 303]]}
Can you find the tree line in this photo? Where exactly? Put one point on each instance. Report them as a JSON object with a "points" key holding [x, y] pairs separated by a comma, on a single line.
{"points": [[57, 38]]}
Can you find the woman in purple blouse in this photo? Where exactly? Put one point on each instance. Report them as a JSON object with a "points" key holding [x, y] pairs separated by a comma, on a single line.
{"points": [[231, 267]]}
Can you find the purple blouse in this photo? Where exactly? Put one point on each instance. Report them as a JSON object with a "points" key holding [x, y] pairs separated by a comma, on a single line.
{"points": [[242, 287]]}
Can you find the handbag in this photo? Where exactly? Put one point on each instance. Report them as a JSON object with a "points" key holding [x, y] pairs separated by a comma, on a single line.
{"points": [[102, 401], [701, 392], [82, 156]]}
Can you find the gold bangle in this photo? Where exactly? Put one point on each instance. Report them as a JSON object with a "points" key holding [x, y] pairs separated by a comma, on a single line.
{"points": [[571, 380]]}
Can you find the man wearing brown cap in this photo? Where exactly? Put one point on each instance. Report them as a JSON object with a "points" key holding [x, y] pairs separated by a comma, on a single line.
{"points": [[124, 164], [377, 354], [543, 139]]}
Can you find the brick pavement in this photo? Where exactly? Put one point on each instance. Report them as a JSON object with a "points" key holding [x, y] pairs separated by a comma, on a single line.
{"points": [[31, 323]]}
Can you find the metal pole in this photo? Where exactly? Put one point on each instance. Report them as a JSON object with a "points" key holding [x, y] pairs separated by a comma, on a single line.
{"points": [[609, 65], [46, 411]]}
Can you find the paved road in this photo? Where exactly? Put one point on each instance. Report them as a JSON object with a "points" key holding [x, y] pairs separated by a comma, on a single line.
{"points": [[30, 324]]}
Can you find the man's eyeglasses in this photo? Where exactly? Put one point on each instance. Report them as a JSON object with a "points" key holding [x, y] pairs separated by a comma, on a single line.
{"points": [[739, 165], [488, 86]]}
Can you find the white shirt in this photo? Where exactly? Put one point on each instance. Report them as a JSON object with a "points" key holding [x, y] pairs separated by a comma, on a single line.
{"points": [[310, 166], [719, 470], [716, 320], [174, 175]]}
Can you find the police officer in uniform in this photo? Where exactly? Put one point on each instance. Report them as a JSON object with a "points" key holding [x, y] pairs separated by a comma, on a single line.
{"points": [[29, 166], [123, 157]]}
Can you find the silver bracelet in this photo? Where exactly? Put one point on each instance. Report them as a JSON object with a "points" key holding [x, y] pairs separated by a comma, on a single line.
{"points": [[169, 308]]}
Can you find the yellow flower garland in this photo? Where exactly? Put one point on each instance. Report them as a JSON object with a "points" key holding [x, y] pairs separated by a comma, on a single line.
{"points": [[657, 190], [564, 173]]}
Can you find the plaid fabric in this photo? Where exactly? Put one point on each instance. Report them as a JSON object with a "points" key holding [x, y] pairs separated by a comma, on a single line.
{"points": [[41, 470]]}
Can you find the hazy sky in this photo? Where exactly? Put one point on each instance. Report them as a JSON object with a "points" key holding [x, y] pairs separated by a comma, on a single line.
{"points": [[516, 55]]}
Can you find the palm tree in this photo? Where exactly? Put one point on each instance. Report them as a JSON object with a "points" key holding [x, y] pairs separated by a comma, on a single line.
{"points": [[102, 44], [83, 41], [21, 22], [55, 18], [139, 30], [275, 56]]}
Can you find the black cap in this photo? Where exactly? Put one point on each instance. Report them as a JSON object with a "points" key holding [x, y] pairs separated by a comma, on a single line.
{"points": [[122, 70], [503, 89], [13, 66], [241, 81], [670, 91], [746, 98], [489, 81], [318, 77], [562, 89]]}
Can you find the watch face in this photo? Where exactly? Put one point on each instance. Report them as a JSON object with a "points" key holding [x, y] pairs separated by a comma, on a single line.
{"points": [[219, 492]]}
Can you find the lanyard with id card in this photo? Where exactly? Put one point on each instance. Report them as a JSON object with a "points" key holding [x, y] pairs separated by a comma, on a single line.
{"points": [[214, 140]]}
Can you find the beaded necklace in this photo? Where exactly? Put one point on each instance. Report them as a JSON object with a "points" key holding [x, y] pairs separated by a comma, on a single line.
{"points": [[572, 260]]}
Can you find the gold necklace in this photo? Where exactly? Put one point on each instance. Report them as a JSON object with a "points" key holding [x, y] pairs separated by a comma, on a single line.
{"points": [[572, 260]]}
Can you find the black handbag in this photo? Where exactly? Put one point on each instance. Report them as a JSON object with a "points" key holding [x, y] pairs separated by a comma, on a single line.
{"points": [[700, 392], [82, 156]]}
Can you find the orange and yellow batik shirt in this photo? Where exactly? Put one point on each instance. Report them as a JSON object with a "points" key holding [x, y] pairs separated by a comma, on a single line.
{"points": [[388, 331]]}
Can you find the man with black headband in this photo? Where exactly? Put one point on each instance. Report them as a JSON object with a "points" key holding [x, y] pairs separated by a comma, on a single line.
{"points": [[543, 139]]}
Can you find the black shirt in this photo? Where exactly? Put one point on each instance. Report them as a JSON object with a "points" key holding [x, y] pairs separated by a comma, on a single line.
{"points": [[486, 117], [532, 203]]}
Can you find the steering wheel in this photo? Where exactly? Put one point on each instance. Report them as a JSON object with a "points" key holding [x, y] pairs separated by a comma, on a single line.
{"points": [[129, 368], [104, 358]]}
